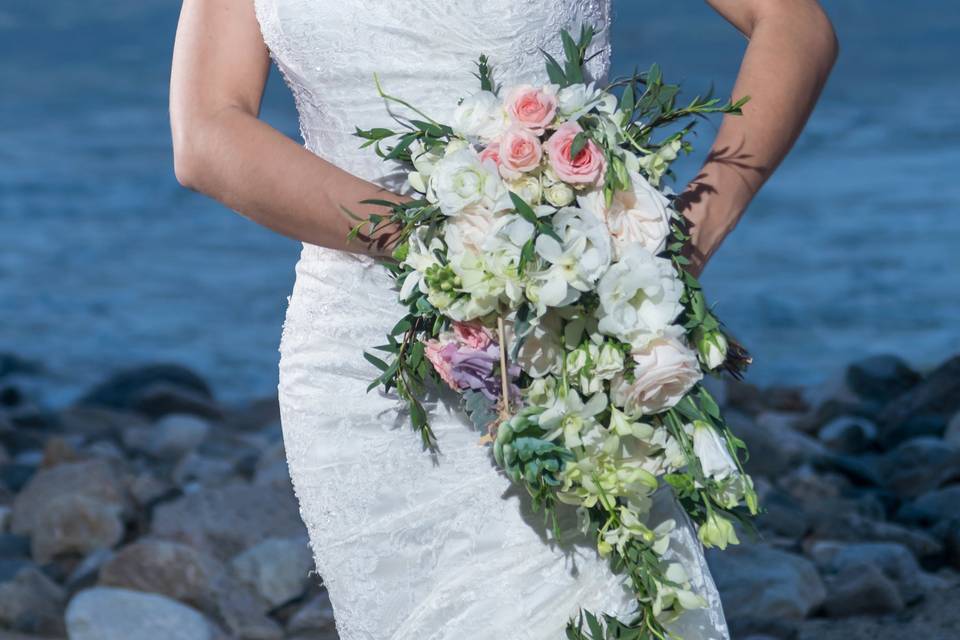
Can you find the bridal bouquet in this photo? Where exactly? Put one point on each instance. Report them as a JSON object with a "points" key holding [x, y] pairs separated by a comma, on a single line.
{"points": [[544, 279]]}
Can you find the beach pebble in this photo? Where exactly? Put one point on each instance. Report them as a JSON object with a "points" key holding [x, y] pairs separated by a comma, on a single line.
{"points": [[862, 590], [881, 377], [848, 434], [30, 601], [920, 465], [315, 617], [168, 568], [925, 409], [106, 613], [277, 568]]}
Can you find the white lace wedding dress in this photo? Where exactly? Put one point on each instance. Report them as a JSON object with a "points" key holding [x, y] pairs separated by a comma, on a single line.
{"points": [[413, 546]]}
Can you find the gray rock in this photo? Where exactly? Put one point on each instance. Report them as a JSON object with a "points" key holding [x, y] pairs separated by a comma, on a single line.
{"points": [[204, 470], [105, 613], [31, 602], [244, 612], [952, 433], [125, 389], [315, 617], [94, 422], [95, 479], [76, 507], [848, 434], [894, 560], [168, 568], [847, 526], [5, 515], [881, 377], [227, 520], [783, 515], [925, 409], [932, 508], [862, 590], [757, 581], [773, 445], [176, 434], [75, 524], [163, 399], [277, 568], [920, 465]]}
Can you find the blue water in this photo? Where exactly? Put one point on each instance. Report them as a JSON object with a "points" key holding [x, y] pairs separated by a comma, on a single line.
{"points": [[852, 248]]}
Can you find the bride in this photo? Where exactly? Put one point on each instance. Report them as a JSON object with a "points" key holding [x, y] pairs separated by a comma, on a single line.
{"points": [[413, 546]]}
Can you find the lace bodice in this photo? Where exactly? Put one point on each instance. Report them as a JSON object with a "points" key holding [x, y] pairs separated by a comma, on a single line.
{"points": [[422, 50]]}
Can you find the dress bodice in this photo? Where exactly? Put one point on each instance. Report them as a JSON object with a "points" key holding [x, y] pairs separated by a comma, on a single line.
{"points": [[422, 50]]}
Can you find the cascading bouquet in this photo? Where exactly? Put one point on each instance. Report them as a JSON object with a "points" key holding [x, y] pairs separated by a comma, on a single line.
{"points": [[543, 272]]}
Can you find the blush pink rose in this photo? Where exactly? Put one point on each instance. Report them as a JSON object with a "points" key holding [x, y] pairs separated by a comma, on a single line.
{"points": [[531, 107], [588, 167], [520, 151], [491, 152], [473, 334]]}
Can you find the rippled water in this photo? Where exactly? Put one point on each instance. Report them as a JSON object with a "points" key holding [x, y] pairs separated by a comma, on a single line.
{"points": [[852, 248]]}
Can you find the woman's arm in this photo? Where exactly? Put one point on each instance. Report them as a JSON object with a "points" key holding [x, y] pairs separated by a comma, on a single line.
{"points": [[791, 51], [221, 149]]}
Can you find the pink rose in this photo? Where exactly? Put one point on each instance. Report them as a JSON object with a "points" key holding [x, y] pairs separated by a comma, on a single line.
{"points": [[491, 152], [473, 334], [530, 107], [588, 167], [440, 354], [520, 152]]}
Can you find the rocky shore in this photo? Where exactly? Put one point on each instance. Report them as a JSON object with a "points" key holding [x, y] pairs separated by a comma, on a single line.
{"points": [[148, 510]]}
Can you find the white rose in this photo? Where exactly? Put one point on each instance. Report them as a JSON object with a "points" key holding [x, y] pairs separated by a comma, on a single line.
{"points": [[469, 230], [480, 115], [712, 348], [460, 181], [559, 194], [711, 449], [528, 188], [665, 370], [639, 298], [639, 215]]}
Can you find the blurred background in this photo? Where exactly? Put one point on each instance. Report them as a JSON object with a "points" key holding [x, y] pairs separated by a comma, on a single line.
{"points": [[108, 264]]}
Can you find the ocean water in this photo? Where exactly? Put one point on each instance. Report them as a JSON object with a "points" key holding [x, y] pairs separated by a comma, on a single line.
{"points": [[852, 248]]}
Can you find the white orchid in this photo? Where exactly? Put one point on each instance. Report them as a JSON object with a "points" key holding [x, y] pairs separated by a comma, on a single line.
{"points": [[712, 451], [581, 256]]}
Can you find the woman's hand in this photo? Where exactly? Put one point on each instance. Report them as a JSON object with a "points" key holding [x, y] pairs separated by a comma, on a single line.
{"points": [[791, 51], [221, 148]]}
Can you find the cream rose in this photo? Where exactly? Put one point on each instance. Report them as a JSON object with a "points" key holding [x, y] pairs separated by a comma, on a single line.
{"points": [[639, 215], [664, 371]]}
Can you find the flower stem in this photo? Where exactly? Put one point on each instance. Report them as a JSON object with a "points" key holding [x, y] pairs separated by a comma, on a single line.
{"points": [[504, 376]]}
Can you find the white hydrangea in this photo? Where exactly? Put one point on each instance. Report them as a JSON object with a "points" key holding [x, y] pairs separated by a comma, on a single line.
{"points": [[481, 116], [639, 298]]}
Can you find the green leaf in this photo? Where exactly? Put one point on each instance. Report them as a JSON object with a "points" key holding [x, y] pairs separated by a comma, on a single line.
{"points": [[709, 404], [375, 361], [401, 327], [579, 142]]}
